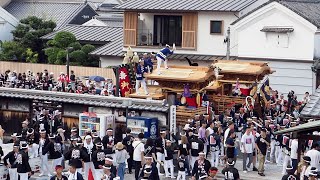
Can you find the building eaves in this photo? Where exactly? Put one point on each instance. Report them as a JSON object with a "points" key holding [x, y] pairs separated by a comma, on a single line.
{"points": [[93, 100], [312, 108], [304, 127], [186, 5], [90, 33]]}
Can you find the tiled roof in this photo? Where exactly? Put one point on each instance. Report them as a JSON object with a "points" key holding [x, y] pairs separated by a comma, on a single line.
{"points": [[315, 125], [308, 9], [95, 34], [187, 5], [114, 48], [312, 108], [61, 13], [86, 99]]}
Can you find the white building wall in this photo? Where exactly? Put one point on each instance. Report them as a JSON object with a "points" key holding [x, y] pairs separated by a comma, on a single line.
{"points": [[7, 24], [251, 42], [317, 45], [106, 61]]}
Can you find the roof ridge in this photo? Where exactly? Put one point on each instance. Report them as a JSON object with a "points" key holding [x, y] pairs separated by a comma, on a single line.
{"points": [[300, 1]]}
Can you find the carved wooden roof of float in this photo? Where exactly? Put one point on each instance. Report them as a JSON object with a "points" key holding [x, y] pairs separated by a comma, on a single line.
{"points": [[248, 71], [176, 77]]}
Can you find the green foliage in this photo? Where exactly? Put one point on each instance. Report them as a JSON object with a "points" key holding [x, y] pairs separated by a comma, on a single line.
{"points": [[11, 50], [63, 39], [51, 53], [87, 48], [61, 57], [78, 56], [29, 32], [31, 57], [76, 46]]}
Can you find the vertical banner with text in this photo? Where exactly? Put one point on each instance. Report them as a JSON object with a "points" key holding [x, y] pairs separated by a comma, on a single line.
{"points": [[173, 120]]}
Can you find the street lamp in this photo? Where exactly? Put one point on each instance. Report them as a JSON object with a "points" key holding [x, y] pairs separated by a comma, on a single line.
{"points": [[69, 49]]}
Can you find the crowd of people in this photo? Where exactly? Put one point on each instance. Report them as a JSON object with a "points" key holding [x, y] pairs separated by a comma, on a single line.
{"points": [[63, 83]]}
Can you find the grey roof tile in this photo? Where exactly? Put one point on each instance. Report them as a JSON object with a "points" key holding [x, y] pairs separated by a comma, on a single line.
{"points": [[90, 33], [60, 12], [308, 9], [186, 5]]}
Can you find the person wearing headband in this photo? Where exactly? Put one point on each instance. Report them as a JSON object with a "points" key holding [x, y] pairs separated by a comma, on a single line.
{"points": [[162, 55], [215, 146], [54, 148], [9, 161], [140, 79], [43, 142], [98, 159], [230, 172], [59, 175], [201, 166], [109, 160], [168, 162], [33, 141], [107, 173], [76, 155], [290, 174], [160, 144], [182, 166], [23, 166], [149, 169], [108, 142], [197, 146]]}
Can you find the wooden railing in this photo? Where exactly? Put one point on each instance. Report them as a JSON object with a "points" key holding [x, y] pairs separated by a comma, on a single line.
{"points": [[221, 102], [183, 114]]}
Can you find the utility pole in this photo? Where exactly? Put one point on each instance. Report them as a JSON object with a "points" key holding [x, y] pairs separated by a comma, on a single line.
{"points": [[69, 49], [228, 43]]}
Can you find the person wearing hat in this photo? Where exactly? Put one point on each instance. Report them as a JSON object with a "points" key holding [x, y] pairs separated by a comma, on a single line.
{"points": [[108, 142], [160, 144], [200, 167], [88, 148], [290, 174], [149, 169], [182, 166], [33, 141], [54, 148], [58, 175], [140, 79], [230, 172], [98, 159], [22, 162], [107, 174], [197, 146], [76, 155], [121, 155], [214, 143], [162, 56], [74, 174], [43, 142], [127, 141], [10, 161]]}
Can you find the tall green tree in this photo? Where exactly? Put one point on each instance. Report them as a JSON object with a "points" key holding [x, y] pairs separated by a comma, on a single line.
{"points": [[29, 32]]}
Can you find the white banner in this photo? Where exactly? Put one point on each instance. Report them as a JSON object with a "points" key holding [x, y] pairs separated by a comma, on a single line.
{"points": [[173, 120]]}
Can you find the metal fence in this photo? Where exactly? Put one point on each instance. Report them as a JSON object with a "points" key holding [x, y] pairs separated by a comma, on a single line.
{"points": [[56, 69]]}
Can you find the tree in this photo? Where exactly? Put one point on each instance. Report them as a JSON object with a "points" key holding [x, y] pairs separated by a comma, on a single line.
{"points": [[63, 39], [31, 57], [78, 56], [29, 32], [11, 50]]}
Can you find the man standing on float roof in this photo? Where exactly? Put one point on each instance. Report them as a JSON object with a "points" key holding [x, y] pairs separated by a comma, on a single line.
{"points": [[162, 56]]}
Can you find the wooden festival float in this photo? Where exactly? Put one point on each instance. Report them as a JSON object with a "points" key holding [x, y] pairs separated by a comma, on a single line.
{"points": [[232, 74], [182, 86]]}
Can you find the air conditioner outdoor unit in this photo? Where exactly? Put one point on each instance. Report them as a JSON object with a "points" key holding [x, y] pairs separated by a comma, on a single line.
{"points": [[145, 39]]}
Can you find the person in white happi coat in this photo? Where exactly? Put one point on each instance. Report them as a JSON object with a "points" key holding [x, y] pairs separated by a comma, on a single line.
{"points": [[43, 142]]}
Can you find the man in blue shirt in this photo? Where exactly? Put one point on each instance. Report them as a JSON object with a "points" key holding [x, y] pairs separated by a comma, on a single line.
{"points": [[140, 77], [148, 64], [162, 56]]}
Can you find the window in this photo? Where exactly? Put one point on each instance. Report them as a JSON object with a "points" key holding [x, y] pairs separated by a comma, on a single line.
{"points": [[167, 30], [216, 27], [278, 39]]}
